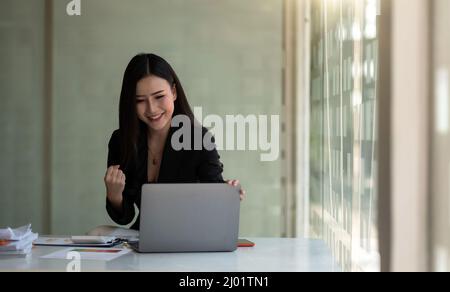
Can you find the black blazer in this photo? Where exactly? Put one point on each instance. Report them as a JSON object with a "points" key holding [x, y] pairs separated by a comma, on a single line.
{"points": [[185, 166]]}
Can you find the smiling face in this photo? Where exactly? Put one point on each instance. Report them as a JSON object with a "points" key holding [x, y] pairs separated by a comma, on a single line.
{"points": [[155, 102]]}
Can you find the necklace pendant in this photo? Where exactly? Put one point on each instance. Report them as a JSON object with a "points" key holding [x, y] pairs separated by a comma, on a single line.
{"points": [[154, 162]]}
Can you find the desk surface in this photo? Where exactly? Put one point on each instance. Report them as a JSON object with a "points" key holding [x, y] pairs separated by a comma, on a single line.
{"points": [[269, 255]]}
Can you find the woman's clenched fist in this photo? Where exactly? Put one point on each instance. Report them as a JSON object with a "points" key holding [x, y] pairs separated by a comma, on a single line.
{"points": [[115, 184]]}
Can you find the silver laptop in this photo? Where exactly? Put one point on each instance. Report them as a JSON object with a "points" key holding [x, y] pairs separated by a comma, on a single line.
{"points": [[189, 218]]}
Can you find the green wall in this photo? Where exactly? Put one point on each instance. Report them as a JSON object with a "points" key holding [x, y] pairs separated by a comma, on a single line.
{"points": [[21, 113], [228, 55]]}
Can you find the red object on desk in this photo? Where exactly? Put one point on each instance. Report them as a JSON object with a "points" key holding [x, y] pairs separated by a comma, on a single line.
{"points": [[245, 243]]}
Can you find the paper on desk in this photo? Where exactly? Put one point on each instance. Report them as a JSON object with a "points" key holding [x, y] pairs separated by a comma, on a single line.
{"points": [[55, 241], [15, 234], [75, 241], [22, 252], [13, 245], [130, 235], [89, 254]]}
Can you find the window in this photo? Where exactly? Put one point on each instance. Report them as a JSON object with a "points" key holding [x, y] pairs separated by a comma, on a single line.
{"points": [[343, 200]]}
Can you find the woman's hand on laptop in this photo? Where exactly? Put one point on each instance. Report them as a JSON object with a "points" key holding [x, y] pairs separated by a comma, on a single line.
{"points": [[235, 183], [115, 184]]}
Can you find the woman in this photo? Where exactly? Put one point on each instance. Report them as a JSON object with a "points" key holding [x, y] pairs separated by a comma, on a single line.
{"points": [[140, 151]]}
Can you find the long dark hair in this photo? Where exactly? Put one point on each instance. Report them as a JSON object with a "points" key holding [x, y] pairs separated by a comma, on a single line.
{"points": [[130, 127]]}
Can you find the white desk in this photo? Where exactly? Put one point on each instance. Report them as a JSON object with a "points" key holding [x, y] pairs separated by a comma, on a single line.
{"points": [[269, 255]]}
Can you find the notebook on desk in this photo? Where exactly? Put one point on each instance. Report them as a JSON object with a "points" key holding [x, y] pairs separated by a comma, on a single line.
{"points": [[79, 241], [245, 243]]}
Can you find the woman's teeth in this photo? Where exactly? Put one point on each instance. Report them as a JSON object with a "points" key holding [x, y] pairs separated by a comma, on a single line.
{"points": [[154, 118]]}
